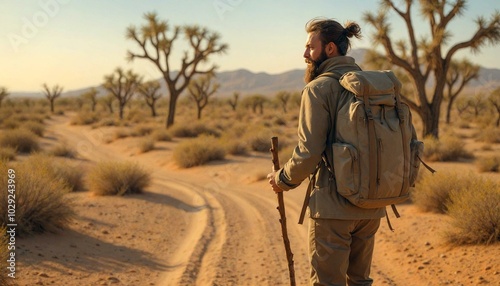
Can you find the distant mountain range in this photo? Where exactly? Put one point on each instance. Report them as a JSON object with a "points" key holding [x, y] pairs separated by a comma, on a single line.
{"points": [[246, 82]]}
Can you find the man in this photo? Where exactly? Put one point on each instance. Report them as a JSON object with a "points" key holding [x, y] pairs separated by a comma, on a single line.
{"points": [[341, 235]]}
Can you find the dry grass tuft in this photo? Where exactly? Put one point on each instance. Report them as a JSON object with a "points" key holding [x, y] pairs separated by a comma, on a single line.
{"points": [[146, 145], [448, 148], [198, 151], [35, 127], [161, 135], [7, 154], [432, 194], [84, 118], [489, 134], [192, 130], [117, 178], [41, 204], [22, 140], [475, 213], [63, 150], [488, 164]]}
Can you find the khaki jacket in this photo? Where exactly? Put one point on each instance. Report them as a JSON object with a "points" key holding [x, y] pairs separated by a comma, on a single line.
{"points": [[319, 98]]}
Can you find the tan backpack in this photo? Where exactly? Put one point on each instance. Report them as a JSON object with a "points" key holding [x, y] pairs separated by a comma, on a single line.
{"points": [[375, 151]]}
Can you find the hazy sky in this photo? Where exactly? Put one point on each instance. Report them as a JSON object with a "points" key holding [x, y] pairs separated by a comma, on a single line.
{"points": [[74, 43]]}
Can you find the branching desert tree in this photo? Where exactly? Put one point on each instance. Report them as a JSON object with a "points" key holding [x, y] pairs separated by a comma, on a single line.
{"points": [[52, 94], [201, 89], [256, 102], [462, 104], [494, 99], [3, 94], [150, 91], [478, 103], [459, 75], [156, 46], [425, 57], [122, 85], [91, 97], [282, 98], [234, 101], [108, 101]]}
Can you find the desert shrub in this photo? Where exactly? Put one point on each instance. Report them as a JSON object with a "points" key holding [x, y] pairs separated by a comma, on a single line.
{"points": [[198, 151], [474, 212], [70, 175], [193, 130], [235, 147], [489, 134], [432, 194], [121, 133], [117, 178], [448, 148], [41, 204], [4, 255], [488, 164], [161, 135], [142, 130], [10, 123], [62, 150], [146, 145], [35, 127], [22, 140], [84, 118], [7, 154], [259, 139]]}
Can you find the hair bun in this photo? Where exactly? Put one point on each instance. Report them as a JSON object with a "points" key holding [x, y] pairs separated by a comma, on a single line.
{"points": [[352, 29]]}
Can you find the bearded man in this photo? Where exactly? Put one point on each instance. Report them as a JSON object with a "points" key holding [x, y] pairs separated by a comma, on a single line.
{"points": [[341, 235]]}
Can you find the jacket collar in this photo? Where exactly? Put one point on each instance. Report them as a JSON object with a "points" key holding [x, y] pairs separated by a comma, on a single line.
{"points": [[336, 63]]}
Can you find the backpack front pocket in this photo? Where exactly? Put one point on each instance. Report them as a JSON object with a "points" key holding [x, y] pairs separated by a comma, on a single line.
{"points": [[346, 168]]}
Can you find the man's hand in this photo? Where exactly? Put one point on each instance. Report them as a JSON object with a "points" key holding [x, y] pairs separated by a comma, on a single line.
{"points": [[272, 182]]}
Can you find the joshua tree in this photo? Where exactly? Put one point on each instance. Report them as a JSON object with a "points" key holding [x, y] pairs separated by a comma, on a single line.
{"points": [[283, 97], [3, 94], [91, 96], [122, 85], [201, 89], [52, 94], [256, 101], [156, 46], [462, 104], [424, 58], [494, 99], [234, 102], [478, 102], [150, 92], [108, 101], [459, 74]]}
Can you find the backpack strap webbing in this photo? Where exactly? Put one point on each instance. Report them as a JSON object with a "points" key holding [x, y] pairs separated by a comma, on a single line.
{"points": [[310, 186], [402, 122]]}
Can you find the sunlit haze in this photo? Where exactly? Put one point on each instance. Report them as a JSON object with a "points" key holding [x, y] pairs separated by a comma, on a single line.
{"points": [[75, 43]]}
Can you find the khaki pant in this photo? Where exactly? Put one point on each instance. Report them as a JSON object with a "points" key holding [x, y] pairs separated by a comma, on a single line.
{"points": [[341, 251]]}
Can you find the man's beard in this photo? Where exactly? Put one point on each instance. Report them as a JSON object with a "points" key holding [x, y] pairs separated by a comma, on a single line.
{"points": [[312, 70]]}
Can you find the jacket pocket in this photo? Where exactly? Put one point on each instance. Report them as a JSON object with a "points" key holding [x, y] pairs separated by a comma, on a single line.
{"points": [[417, 151], [346, 168]]}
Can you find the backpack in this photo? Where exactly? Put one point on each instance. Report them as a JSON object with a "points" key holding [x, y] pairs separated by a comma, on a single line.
{"points": [[375, 154]]}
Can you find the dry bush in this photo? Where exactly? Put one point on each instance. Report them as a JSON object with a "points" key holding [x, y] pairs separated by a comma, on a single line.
{"points": [[235, 146], [22, 140], [146, 145], [117, 178], [35, 127], [84, 118], [142, 130], [10, 123], [62, 150], [121, 133], [71, 175], [41, 204], [198, 151], [490, 135], [4, 255], [7, 154], [475, 213], [432, 194], [448, 148], [193, 130], [161, 135], [488, 164]]}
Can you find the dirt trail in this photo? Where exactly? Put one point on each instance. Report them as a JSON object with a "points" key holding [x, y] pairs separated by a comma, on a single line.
{"points": [[210, 226]]}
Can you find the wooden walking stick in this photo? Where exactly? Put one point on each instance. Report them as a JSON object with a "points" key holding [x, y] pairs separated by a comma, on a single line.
{"points": [[281, 209]]}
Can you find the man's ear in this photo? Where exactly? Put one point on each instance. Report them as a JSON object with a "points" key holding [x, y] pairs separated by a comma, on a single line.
{"points": [[331, 49]]}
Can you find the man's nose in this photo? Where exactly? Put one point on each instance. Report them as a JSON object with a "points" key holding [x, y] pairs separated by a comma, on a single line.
{"points": [[306, 54]]}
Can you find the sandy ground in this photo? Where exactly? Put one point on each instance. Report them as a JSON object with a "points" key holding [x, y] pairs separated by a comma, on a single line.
{"points": [[218, 225]]}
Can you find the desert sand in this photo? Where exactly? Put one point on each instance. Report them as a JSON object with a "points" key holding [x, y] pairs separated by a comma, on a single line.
{"points": [[218, 225]]}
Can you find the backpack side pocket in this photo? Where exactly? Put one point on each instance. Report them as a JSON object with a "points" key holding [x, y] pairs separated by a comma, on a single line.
{"points": [[346, 168], [417, 151]]}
